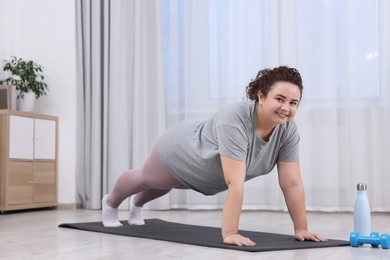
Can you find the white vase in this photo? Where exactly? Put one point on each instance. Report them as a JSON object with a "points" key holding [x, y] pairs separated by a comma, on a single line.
{"points": [[26, 103]]}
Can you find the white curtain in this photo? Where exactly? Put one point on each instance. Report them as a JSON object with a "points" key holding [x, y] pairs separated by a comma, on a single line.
{"points": [[202, 54], [121, 98], [212, 49]]}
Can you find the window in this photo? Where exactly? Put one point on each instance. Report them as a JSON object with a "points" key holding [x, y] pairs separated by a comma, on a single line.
{"points": [[212, 49]]}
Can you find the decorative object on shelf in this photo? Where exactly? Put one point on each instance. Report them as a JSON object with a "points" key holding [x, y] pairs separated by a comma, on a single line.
{"points": [[7, 97], [27, 77]]}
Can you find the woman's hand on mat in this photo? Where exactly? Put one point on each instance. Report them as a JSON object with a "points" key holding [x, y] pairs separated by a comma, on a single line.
{"points": [[238, 240], [305, 235]]}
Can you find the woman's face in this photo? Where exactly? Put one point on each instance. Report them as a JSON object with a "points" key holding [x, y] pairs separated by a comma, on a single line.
{"points": [[281, 103]]}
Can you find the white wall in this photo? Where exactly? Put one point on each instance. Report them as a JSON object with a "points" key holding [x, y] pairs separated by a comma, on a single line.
{"points": [[45, 31]]}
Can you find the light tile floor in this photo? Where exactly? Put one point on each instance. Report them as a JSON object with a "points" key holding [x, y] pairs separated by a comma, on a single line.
{"points": [[35, 235]]}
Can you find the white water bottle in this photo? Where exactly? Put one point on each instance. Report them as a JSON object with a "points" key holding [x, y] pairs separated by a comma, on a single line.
{"points": [[362, 217]]}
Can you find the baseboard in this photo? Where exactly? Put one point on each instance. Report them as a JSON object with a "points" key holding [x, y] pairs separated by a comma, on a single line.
{"points": [[69, 206]]}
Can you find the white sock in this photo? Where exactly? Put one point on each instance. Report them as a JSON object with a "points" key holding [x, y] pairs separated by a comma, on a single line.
{"points": [[135, 217], [109, 215]]}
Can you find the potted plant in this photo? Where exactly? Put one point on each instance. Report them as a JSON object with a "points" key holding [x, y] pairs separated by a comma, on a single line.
{"points": [[27, 77]]}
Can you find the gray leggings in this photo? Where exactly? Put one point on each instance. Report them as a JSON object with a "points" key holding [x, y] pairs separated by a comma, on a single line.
{"points": [[151, 181]]}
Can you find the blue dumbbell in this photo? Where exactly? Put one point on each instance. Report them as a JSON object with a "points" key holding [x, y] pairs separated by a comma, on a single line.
{"points": [[374, 239]]}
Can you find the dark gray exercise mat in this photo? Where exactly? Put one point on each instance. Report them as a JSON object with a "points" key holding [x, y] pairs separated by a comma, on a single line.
{"points": [[202, 236]]}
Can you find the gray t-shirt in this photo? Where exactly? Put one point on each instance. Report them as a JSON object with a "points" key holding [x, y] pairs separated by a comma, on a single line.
{"points": [[191, 149]]}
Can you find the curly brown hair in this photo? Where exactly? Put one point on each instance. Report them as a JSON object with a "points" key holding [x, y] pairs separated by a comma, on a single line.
{"points": [[266, 78]]}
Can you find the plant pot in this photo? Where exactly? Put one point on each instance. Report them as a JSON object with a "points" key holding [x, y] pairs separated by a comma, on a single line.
{"points": [[26, 103]]}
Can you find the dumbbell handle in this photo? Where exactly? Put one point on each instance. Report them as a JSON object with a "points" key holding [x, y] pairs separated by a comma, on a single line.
{"points": [[369, 240]]}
